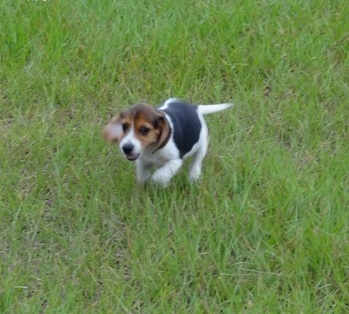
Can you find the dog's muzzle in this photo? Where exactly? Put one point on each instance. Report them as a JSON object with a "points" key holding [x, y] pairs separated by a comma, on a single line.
{"points": [[127, 149]]}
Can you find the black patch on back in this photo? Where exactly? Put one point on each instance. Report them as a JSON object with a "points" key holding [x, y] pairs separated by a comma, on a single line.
{"points": [[186, 125]]}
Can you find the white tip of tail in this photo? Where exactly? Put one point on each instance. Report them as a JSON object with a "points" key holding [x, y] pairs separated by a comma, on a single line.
{"points": [[207, 109]]}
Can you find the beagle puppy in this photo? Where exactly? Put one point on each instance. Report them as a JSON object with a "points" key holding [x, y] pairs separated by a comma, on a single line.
{"points": [[161, 138]]}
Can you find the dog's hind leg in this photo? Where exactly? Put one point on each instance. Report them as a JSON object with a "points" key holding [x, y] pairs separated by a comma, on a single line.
{"points": [[195, 168]]}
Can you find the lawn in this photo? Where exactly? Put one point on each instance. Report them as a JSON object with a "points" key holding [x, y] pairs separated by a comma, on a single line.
{"points": [[265, 230]]}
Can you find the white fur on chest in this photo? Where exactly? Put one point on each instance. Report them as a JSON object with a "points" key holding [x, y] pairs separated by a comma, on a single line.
{"points": [[160, 157]]}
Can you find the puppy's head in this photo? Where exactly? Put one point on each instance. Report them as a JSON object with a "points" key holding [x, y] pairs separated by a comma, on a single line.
{"points": [[136, 129]]}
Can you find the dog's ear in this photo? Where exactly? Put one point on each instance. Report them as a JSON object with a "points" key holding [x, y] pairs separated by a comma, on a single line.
{"points": [[164, 131], [113, 132]]}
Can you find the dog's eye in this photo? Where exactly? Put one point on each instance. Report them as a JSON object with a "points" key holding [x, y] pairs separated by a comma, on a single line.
{"points": [[144, 130], [124, 127]]}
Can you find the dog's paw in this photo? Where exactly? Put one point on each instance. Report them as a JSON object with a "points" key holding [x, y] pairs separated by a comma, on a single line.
{"points": [[194, 174], [161, 179]]}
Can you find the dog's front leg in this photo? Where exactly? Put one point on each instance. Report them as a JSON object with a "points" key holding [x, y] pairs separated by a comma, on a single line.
{"points": [[164, 174], [143, 171]]}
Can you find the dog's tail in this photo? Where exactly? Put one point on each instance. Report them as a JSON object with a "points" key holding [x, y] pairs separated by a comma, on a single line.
{"points": [[207, 109]]}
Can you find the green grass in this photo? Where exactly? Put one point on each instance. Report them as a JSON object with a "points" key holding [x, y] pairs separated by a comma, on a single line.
{"points": [[266, 230]]}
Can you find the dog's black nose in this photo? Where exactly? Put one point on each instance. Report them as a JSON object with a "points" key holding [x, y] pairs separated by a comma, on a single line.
{"points": [[127, 148]]}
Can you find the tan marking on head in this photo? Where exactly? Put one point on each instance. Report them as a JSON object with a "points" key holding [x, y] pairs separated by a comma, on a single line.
{"points": [[146, 125]]}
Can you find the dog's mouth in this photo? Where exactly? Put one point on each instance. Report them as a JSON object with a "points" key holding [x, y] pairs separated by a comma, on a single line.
{"points": [[132, 157]]}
